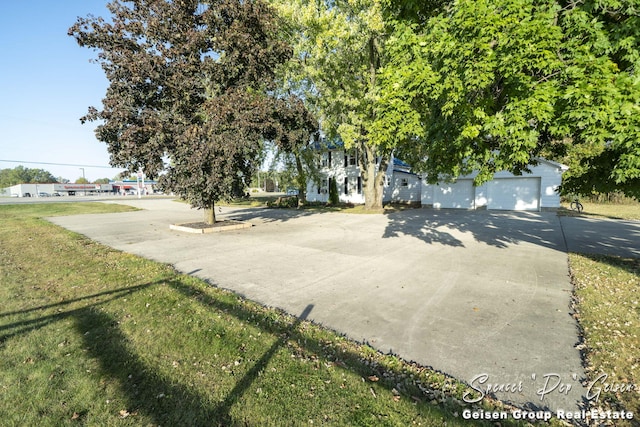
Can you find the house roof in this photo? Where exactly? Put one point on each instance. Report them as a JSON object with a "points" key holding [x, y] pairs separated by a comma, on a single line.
{"points": [[398, 162], [325, 144], [552, 163]]}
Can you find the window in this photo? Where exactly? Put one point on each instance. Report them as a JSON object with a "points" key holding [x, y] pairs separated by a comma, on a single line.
{"points": [[404, 182], [350, 159], [359, 185], [322, 189], [346, 185]]}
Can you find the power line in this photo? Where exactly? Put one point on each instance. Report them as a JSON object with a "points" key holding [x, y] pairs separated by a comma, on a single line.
{"points": [[60, 164]]}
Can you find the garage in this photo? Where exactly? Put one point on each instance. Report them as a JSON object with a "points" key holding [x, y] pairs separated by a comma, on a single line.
{"points": [[519, 194], [454, 195]]}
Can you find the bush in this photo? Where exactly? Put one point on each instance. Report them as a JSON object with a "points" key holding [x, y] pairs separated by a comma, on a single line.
{"points": [[334, 199], [284, 202]]}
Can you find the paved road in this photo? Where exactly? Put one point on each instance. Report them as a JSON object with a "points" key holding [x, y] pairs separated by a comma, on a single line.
{"points": [[602, 236], [467, 293], [72, 199]]}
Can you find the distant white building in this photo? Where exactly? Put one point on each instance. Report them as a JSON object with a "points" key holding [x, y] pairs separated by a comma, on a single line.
{"points": [[56, 189], [71, 189]]}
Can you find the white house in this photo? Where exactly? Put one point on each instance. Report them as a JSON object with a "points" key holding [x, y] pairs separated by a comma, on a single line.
{"points": [[342, 166], [534, 191], [400, 185]]}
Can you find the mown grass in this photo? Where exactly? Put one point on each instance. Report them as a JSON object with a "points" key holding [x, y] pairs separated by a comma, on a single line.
{"points": [[607, 294], [93, 336], [630, 210]]}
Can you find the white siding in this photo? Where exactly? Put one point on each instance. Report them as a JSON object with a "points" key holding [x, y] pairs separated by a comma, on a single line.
{"points": [[544, 180], [332, 166], [404, 188], [531, 191]]}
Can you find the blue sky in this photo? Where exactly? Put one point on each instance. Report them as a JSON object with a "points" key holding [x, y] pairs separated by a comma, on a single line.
{"points": [[46, 84]]}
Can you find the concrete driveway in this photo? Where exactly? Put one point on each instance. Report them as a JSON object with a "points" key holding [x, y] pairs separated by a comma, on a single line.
{"points": [[467, 293], [602, 236]]}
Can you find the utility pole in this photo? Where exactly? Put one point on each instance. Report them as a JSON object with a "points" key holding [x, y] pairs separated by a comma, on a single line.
{"points": [[84, 189]]}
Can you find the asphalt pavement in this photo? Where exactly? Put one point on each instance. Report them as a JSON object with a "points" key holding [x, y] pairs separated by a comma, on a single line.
{"points": [[482, 296]]}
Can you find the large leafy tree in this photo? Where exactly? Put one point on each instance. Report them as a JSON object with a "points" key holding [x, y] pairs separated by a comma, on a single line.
{"points": [[298, 128], [339, 51], [489, 85], [191, 85], [22, 175]]}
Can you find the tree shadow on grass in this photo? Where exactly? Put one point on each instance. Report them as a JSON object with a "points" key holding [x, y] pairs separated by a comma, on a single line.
{"points": [[224, 409], [163, 400], [166, 401], [390, 377], [630, 265], [116, 293], [21, 327]]}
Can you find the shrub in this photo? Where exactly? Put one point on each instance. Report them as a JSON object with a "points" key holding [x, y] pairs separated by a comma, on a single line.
{"points": [[284, 202], [334, 199]]}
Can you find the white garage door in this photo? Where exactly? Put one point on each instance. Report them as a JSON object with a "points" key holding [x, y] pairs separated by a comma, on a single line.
{"points": [[517, 194], [457, 195]]}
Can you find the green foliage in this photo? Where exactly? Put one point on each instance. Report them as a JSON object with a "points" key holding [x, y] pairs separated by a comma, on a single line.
{"points": [[489, 85], [339, 48], [284, 202], [82, 180], [606, 307], [297, 128], [295, 168], [192, 82], [22, 175]]}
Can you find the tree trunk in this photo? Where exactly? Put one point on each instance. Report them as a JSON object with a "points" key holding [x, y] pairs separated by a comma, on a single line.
{"points": [[301, 180], [210, 214], [373, 174]]}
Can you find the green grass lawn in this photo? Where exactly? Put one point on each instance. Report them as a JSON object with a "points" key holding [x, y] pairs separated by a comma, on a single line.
{"points": [[607, 305], [607, 294], [93, 336], [630, 210]]}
